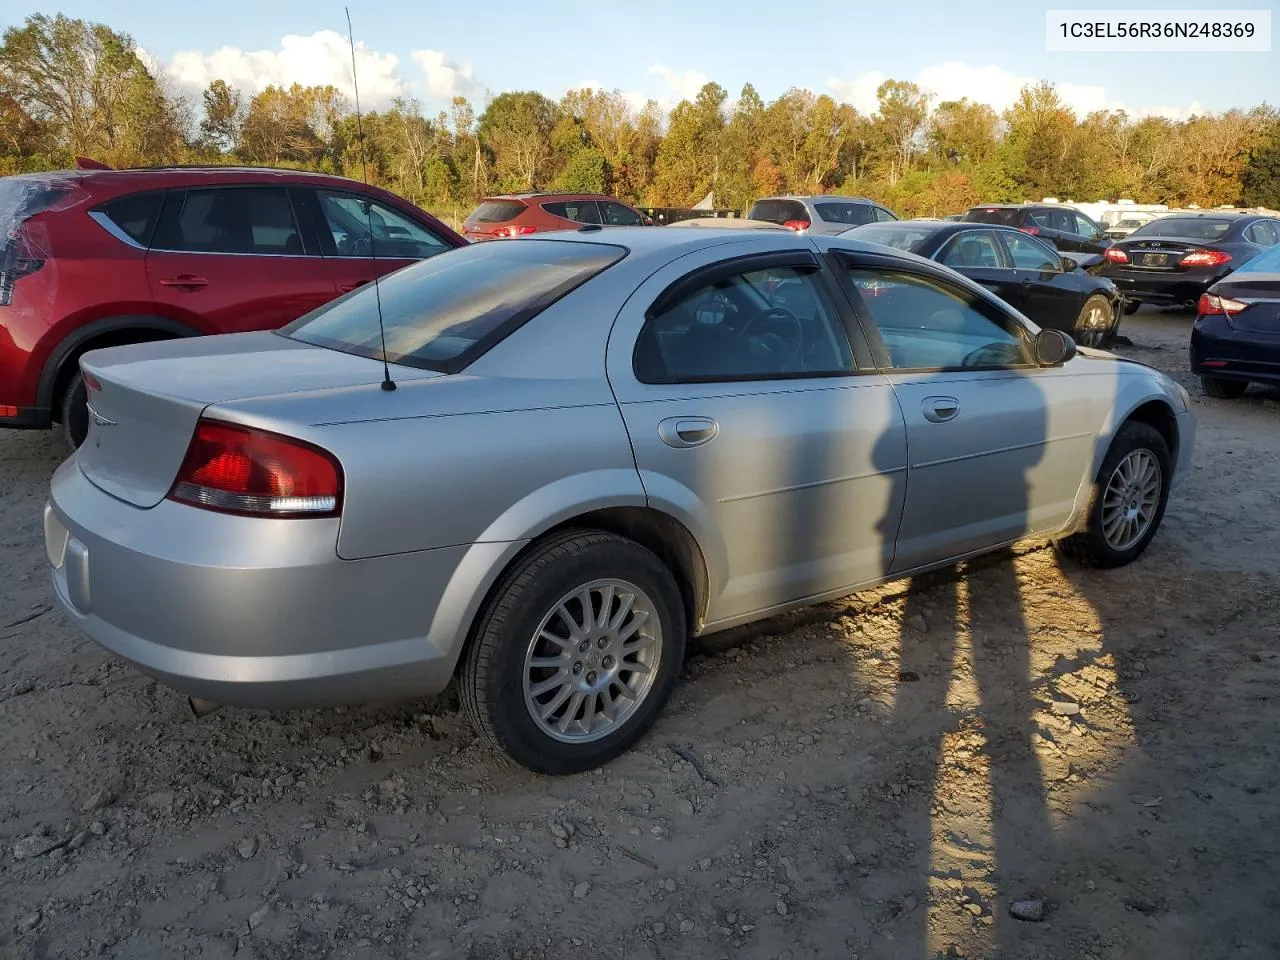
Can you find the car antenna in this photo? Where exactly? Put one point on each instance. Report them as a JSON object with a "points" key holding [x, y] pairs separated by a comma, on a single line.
{"points": [[387, 382]]}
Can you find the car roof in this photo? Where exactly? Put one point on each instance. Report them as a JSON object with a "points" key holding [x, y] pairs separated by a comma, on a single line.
{"points": [[550, 194], [816, 196]]}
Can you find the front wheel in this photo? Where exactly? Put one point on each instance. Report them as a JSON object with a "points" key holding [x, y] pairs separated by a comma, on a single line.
{"points": [[75, 413], [576, 654], [1094, 322], [1224, 389], [1128, 500]]}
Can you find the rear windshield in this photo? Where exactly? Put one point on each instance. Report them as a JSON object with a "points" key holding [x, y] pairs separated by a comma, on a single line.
{"points": [[778, 211], [498, 211], [853, 214], [1005, 215], [1190, 228], [903, 236], [442, 313]]}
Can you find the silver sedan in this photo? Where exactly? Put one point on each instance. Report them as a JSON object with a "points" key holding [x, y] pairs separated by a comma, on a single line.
{"points": [[580, 452]]}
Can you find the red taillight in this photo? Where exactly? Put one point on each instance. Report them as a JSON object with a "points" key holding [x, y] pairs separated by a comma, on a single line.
{"points": [[515, 230], [1205, 258], [252, 472], [1033, 231], [90, 381], [1211, 305], [1115, 255], [796, 225]]}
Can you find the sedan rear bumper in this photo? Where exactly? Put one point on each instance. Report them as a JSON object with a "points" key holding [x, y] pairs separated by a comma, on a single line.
{"points": [[246, 611], [1161, 288], [1219, 350]]}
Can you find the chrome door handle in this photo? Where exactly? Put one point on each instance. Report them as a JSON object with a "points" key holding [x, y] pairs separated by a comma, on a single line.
{"points": [[687, 431], [941, 409]]}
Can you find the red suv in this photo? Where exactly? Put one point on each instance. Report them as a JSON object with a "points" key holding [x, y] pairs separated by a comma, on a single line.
{"points": [[96, 258], [523, 213]]}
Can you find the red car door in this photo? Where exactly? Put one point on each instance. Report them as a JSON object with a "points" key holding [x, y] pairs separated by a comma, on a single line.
{"points": [[232, 258], [363, 238]]}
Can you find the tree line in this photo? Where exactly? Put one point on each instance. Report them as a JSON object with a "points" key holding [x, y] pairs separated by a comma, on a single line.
{"points": [[72, 88]]}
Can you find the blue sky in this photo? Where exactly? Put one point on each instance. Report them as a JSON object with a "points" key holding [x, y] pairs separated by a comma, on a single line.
{"points": [[664, 50]]}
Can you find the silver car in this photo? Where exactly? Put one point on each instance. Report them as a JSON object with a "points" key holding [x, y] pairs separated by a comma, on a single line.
{"points": [[582, 451], [825, 215]]}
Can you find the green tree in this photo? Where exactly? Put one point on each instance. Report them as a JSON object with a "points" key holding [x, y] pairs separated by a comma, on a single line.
{"points": [[223, 116], [516, 130], [1260, 178], [586, 172], [688, 163]]}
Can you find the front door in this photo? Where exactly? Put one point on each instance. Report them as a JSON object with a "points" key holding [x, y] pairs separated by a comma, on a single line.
{"points": [[1044, 291], [998, 447], [363, 238], [229, 259], [752, 421]]}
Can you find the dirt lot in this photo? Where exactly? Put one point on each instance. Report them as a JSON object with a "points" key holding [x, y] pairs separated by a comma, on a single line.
{"points": [[880, 777]]}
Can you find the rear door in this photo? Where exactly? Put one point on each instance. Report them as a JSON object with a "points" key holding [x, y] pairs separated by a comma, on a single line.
{"points": [[754, 418], [235, 257], [363, 238], [978, 255]]}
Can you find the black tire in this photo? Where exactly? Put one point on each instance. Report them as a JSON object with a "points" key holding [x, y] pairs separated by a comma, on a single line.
{"points": [[75, 413], [1089, 547], [1224, 389], [492, 676], [1094, 335], [1131, 306]]}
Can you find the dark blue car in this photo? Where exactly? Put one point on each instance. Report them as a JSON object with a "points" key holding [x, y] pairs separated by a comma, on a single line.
{"points": [[1236, 337]]}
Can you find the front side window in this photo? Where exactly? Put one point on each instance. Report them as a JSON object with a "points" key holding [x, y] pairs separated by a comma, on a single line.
{"points": [[445, 311], [366, 228], [928, 325], [975, 248], [244, 220], [1027, 253], [760, 324]]}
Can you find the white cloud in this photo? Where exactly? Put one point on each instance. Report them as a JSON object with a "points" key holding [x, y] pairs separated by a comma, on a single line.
{"points": [[448, 78], [685, 84], [320, 59], [996, 87]]}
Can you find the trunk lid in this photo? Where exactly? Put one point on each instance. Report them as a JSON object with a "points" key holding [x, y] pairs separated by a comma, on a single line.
{"points": [[145, 399], [1261, 293]]}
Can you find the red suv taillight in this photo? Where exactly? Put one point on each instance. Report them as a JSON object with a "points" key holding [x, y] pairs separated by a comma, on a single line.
{"points": [[515, 230], [16, 262], [251, 472], [1211, 305], [796, 225], [1115, 255], [1205, 258]]}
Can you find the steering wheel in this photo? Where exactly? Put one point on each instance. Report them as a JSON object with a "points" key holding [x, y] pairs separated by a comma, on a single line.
{"points": [[991, 354], [775, 335]]}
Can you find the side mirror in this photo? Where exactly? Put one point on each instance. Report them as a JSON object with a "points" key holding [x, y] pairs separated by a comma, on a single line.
{"points": [[1053, 348]]}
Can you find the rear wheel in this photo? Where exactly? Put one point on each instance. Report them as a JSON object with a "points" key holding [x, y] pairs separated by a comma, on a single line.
{"points": [[1224, 389], [1128, 500], [576, 653], [75, 413], [1131, 306], [1094, 322]]}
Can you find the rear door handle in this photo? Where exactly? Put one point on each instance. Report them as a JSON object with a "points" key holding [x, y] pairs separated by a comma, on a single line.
{"points": [[687, 431], [941, 409], [348, 287], [184, 281]]}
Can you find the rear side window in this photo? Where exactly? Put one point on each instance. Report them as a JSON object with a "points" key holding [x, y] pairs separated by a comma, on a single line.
{"points": [[1262, 233], [778, 211], [854, 214], [135, 215], [579, 211], [617, 215], [884, 215], [498, 211], [229, 220], [1001, 215], [442, 313]]}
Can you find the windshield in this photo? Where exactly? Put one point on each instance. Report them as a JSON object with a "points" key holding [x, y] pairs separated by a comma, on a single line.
{"points": [[1191, 228], [442, 313], [778, 211], [903, 236], [1005, 215]]}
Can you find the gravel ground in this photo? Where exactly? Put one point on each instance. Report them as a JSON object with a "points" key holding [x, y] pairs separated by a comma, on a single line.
{"points": [[896, 775]]}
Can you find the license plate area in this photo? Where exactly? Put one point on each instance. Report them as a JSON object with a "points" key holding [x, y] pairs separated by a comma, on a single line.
{"points": [[1155, 259]]}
